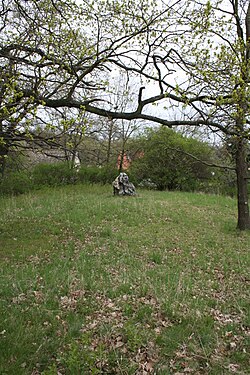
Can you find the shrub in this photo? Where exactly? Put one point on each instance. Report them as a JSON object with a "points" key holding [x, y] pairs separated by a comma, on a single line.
{"points": [[99, 175], [167, 161], [107, 174], [16, 183], [53, 174]]}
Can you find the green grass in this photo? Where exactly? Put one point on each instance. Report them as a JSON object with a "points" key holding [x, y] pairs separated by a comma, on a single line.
{"points": [[95, 284]]}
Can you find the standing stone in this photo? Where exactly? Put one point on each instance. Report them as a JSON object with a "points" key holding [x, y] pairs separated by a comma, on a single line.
{"points": [[122, 186]]}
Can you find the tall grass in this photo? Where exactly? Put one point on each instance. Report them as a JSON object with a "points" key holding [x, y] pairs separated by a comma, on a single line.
{"points": [[94, 284]]}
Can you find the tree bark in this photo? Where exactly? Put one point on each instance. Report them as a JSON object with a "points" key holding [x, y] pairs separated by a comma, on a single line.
{"points": [[3, 150], [242, 189], [241, 143], [247, 21], [3, 156], [120, 168], [110, 134]]}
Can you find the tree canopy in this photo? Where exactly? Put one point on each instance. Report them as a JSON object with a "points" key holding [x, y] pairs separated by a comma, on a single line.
{"points": [[171, 161]]}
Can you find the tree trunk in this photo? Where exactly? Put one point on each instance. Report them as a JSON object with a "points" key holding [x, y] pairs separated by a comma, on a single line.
{"points": [[242, 190], [3, 150], [3, 155], [110, 136], [121, 160]]}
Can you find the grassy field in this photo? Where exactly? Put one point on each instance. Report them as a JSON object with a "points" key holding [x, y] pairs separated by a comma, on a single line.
{"points": [[96, 284]]}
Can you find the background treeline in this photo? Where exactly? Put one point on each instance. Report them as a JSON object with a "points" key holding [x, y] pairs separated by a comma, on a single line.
{"points": [[160, 158]]}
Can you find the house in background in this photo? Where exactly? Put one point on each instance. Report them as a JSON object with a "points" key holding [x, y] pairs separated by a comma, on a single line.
{"points": [[124, 160]]}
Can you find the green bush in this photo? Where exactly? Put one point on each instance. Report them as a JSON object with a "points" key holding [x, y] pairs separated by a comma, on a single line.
{"points": [[53, 174], [88, 175], [41, 175], [97, 175], [16, 183], [222, 182], [167, 162]]}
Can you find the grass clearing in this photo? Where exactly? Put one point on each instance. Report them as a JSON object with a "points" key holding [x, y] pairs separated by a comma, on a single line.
{"points": [[93, 284]]}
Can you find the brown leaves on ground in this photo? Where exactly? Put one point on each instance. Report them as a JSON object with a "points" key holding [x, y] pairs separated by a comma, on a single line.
{"points": [[146, 358], [109, 319], [70, 301]]}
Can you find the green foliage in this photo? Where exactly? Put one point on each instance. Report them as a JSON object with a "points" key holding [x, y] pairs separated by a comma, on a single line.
{"points": [[14, 162], [16, 183], [53, 174], [168, 161], [93, 174], [223, 181], [56, 174]]}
